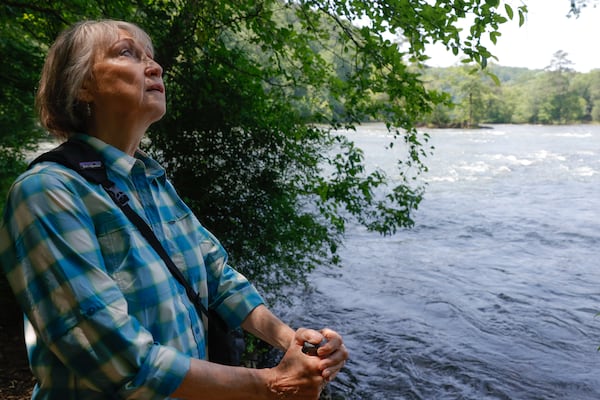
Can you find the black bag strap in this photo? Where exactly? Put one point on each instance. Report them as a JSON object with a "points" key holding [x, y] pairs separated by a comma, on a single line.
{"points": [[86, 161]]}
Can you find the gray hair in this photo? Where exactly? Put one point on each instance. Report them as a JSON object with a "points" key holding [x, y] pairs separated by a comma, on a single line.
{"points": [[68, 65]]}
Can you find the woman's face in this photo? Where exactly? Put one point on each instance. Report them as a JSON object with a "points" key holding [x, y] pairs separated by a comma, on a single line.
{"points": [[126, 85]]}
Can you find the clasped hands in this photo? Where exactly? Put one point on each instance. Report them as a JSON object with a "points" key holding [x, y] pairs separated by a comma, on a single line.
{"points": [[302, 376]]}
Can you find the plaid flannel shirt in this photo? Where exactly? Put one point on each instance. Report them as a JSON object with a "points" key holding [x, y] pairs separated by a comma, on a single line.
{"points": [[104, 318]]}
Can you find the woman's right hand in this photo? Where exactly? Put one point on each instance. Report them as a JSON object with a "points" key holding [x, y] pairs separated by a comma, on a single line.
{"points": [[298, 376]]}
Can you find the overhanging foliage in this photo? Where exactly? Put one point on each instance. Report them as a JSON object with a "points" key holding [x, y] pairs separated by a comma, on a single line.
{"points": [[256, 90]]}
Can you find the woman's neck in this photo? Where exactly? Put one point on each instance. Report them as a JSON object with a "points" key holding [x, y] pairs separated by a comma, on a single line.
{"points": [[122, 136]]}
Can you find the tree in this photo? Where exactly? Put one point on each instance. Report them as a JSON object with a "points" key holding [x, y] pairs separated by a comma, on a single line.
{"points": [[23, 59], [560, 103], [560, 63], [475, 95], [594, 94], [587, 87]]}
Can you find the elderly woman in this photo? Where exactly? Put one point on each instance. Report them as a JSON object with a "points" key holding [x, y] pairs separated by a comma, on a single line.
{"points": [[104, 316]]}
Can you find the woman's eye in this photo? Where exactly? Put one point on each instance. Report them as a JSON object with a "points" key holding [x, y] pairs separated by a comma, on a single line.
{"points": [[126, 52]]}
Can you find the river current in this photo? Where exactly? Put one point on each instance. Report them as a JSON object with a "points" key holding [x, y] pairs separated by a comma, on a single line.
{"points": [[494, 292]]}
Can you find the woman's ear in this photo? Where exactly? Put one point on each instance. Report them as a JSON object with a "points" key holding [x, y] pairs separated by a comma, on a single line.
{"points": [[85, 95]]}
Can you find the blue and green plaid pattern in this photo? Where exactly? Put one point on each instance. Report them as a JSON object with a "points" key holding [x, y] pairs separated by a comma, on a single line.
{"points": [[104, 317]]}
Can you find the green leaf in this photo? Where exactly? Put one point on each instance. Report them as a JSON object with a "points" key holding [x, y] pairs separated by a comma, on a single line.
{"points": [[521, 18], [509, 11]]}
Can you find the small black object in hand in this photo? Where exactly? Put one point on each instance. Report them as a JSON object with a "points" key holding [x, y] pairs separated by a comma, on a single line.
{"points": [[311, 348]]}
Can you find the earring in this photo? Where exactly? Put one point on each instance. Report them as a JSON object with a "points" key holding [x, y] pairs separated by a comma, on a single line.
{"points": [[88, 110]]}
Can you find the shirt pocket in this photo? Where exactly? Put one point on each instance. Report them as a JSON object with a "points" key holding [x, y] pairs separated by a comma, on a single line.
{"points": [[135, 267], [182, 240]]}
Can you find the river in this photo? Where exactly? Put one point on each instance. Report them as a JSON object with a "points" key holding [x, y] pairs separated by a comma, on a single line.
{"points": [[494, 292]]}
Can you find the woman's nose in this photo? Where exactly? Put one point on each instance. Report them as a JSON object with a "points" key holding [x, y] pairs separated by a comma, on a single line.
{"points": [[153, 68]]}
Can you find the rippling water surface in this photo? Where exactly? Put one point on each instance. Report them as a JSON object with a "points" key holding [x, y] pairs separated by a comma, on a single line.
{"points": [[494, 293]]}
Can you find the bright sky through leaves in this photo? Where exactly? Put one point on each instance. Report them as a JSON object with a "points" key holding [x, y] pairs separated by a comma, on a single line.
{"points": [[547, 29]]}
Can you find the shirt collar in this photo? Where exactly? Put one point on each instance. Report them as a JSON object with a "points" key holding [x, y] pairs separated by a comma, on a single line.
{"points": [[122, 163]]}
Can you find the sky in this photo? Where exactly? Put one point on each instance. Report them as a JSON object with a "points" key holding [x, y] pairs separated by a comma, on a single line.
{"points": [[546, 31]]}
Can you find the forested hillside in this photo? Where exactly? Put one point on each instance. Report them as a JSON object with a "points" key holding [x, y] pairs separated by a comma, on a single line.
{"points": [[554, 95]]}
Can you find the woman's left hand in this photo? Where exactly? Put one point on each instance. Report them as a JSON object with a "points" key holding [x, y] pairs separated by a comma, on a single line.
{"points": [[333, 354]]}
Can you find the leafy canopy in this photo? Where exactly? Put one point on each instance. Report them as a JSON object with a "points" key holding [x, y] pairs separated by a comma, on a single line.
{"points": [[256, 93]]}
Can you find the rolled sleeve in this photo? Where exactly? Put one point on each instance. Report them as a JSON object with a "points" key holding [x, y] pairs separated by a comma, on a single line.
{"points": [[122, 359], [231, 295], [240, 300], [159, 376]]}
